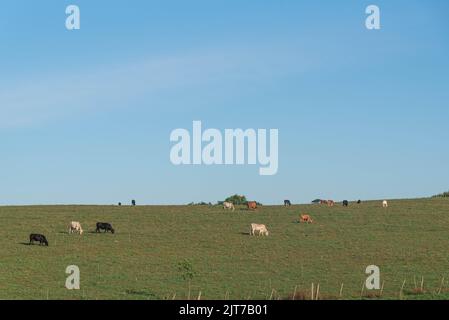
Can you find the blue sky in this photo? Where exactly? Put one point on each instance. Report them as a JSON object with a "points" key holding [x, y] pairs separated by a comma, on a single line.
{"points": [[86, 115]]}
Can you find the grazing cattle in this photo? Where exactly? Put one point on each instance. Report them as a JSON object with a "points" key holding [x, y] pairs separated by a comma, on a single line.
{"points": [[75, 226], [287, 203], [385, 204], [251, 205], [228, 205], [104, 226], [330, 203], [345, 203], [359, 201], [305, 218], [323, 201], [260, 228], [38, 237]]}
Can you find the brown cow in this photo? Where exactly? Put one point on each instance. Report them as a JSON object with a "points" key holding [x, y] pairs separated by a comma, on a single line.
{"points": [[251, 205], [305, 218], [330, 203]]}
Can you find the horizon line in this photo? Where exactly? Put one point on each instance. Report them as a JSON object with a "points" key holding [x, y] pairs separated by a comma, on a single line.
{"points": [[187, 204]]}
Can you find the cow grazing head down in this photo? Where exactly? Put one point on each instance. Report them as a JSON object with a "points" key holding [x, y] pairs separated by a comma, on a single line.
{"points": [[228, 205], [38, 238], [305, 218], [104, 226], [75, 226], [260, 229]]}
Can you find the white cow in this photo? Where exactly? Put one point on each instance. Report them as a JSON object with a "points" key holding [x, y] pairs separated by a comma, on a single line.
{"points": [[228, 205], [385, 204], [260, 228], [75, 226]]}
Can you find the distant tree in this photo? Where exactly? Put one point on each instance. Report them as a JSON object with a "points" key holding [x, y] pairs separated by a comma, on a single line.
{"points": [[202, 203], [133, 202], [442, 195], [237, 199]]}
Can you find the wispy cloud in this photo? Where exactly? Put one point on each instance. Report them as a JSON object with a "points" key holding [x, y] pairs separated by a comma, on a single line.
{"points": [[40, 98]]}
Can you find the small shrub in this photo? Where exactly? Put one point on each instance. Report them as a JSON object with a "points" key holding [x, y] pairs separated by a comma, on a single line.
{"points": [[185, 268]]}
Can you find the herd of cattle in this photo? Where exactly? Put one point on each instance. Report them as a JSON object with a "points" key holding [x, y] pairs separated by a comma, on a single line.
{"points": [[260, 229], [74, 227]]}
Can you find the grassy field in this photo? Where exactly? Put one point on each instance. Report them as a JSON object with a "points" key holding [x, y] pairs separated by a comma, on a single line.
{"points": [[408, 240]]}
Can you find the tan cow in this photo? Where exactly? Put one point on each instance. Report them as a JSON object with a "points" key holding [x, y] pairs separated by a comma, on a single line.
{"points": [[305, 218], [75, 226], [260, 228], [385, 204], [228, 205]]}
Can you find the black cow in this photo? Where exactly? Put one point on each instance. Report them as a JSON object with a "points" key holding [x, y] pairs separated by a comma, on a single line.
{"points": [[287, 203], [359, 201], [345, 203], [104, 226], [38, 237]]}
